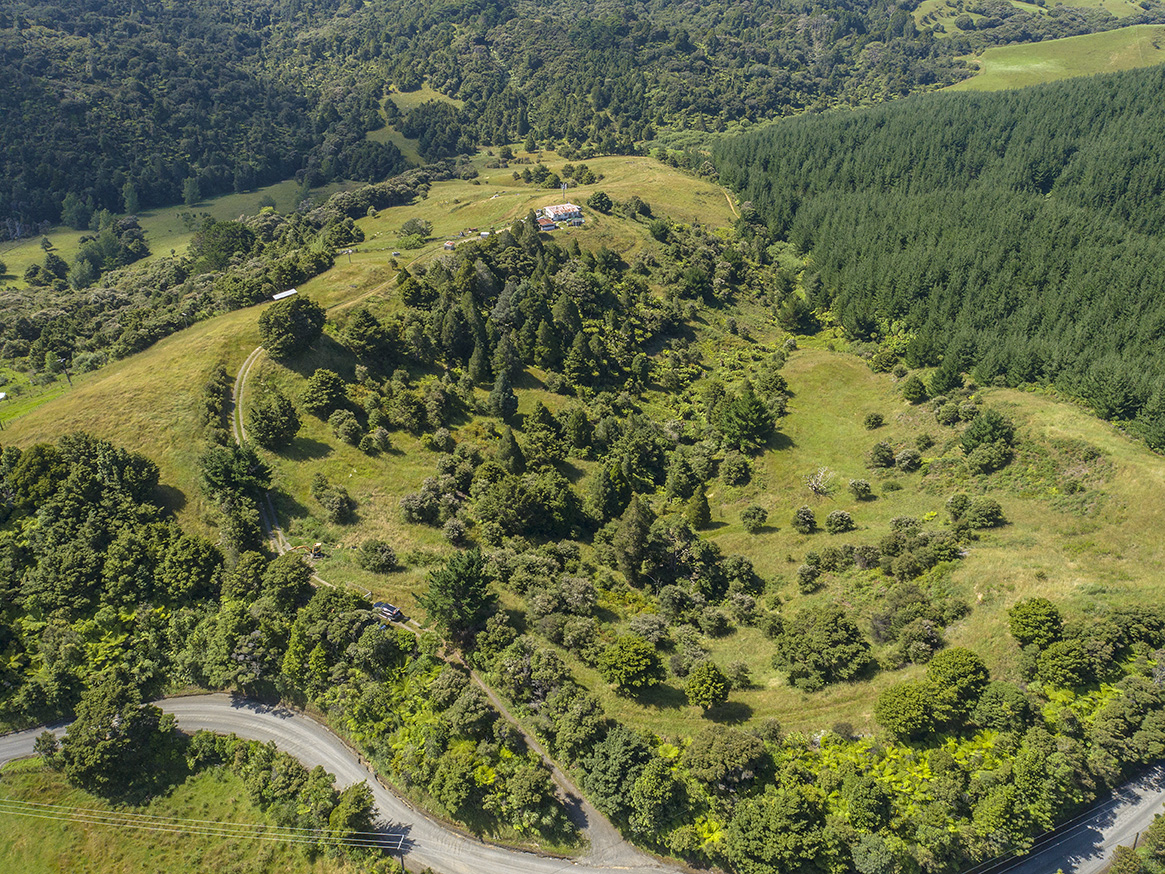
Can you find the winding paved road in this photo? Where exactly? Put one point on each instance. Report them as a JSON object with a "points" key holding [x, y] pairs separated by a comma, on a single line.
{"points": [[1081, 847], [427, 843]]}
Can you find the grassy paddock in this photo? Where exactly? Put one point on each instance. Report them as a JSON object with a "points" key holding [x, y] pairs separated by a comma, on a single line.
{"points": [[1034, 63], [406, 100], [166, 230], [495, 200], [34, 846], [944, 12]]}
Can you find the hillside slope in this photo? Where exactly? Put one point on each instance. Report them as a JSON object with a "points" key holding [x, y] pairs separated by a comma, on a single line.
{"points": [[1015, 234]]}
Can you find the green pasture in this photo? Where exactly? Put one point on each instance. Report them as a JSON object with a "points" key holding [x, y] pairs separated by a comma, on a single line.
{"points": [[168, 229], [50, 845], [931, 12], [1034, 63]]}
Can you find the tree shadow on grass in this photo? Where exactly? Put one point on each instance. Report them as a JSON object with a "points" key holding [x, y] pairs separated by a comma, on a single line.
{"points": [[306, 449], [572, 473], [729, 713], [662, 697], [780, 440], [325, 353], [171, 499], [527, 380], [287, 508]]}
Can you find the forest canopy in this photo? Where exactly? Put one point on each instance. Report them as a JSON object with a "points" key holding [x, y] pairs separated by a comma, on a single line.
{"points": [[1015, 235]]}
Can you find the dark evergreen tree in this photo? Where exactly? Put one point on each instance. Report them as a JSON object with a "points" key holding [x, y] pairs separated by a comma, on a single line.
{"points": [[272, 421], [697, 512], [458, 599], [503, 403], [509, 454], [632, 537], [745, 421], [479, 369]]}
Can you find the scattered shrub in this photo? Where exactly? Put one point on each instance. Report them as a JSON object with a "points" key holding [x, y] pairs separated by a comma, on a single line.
{"points": [[987, 428], [983, 512], [420, 507], [957, 505], [753, 518], [947, 414], [860, 489], [908, 460], [807, 578], [1035, 621], [882, 455], [735, 470], [804, 521], [376, 556], [820, 482], [988, 457], [914, 390], [650, 626], [455, 531], [713, 623], [439, 441], [738, 674], [345, 426], [337, 503], [838, 522], [873, 421]]}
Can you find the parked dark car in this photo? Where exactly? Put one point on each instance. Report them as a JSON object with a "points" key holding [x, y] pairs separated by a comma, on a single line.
{"points": [[388, 611]]}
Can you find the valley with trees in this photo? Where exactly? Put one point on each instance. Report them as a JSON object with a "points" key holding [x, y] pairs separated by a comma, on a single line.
{"points": [[800, 506]]}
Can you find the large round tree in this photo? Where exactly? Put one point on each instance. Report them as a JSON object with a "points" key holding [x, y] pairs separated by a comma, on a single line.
{"points": [[290, 326], [630, 664], [706, 686], [272, 421]]}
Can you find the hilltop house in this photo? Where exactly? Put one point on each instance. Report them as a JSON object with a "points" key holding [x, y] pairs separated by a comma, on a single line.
{"points": [[562, 212]]}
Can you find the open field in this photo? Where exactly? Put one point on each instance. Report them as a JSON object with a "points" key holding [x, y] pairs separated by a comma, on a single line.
{"points": [[48, 846], [168, 229], [406, 100], [944, 12], [495, 200], [1034, 63]]}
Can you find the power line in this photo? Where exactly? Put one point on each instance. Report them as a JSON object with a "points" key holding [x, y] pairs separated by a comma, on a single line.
{"points": [[198, 828], [150, 816]]}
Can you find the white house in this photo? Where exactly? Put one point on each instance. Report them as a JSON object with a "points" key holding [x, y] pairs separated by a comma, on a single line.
{"points": [[562, 212]]}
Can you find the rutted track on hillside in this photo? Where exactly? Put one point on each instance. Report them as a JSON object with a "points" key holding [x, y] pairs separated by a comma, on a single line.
{"points": [[238, 428], [427, 843]]}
